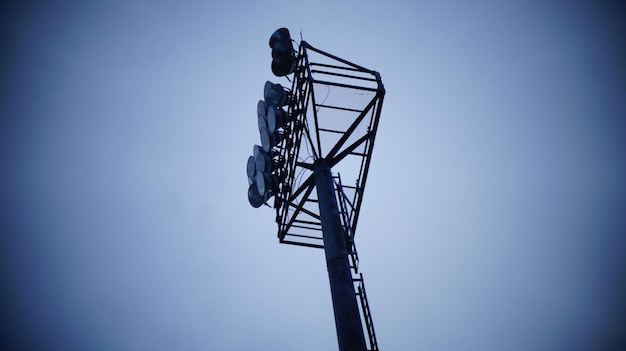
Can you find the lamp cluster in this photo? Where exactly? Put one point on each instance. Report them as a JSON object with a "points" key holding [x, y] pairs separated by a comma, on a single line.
{"points": [[283, 54], [266, 167]]}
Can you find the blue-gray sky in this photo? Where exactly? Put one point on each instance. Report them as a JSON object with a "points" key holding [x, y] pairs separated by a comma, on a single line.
{"points": [[494, 216]]}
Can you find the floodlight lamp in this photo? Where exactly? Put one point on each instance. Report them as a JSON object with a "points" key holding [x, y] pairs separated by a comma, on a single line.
{"points": [[276, 118], [268, 141], [261, 109], [251, 169], [262, 122], [275, 95], [256, 149], [283, 65], [267, 184], [255, 199], [283, 54], [263, 163], [263, 183], [279, 35]]}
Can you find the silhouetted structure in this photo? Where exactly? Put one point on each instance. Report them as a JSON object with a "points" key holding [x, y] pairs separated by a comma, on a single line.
{"points": [[330, 122]]}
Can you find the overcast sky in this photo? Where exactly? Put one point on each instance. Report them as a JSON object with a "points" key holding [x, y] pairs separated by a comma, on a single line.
{"points": [[494, 214]]}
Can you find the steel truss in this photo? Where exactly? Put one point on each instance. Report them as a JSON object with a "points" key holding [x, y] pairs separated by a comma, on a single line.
{"points": [[336, 105]]}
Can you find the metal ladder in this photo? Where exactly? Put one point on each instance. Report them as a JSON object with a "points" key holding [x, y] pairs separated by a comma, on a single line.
{"points": [[345, 207]]}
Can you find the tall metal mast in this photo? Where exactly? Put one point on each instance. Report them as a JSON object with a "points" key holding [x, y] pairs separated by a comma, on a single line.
{"points": [[326, 122], [347, 318]]}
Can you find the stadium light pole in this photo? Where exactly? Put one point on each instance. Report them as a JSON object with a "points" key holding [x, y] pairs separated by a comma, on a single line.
{"points": [[287, 119], [347, 319]]}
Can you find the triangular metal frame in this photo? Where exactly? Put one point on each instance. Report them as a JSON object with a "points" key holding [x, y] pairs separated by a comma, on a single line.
{"points": [[339, 128], [337, 107]]}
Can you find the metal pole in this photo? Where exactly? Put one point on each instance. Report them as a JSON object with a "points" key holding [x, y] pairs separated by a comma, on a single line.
{"points": [[347, 319]]}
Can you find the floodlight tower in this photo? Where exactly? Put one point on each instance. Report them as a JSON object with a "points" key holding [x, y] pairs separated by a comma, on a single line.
{"points": [[327, 121]]}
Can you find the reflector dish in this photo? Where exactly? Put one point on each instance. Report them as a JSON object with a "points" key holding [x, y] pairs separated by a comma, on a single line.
{"points": [[271, 119], [263, 183], [255, 199], [283, 55], [275, 119], [251, 167], [263, 163], [267, 89], [256, 149], [268, 140], [261, 109], [283, 64], [262, 122], [280, 34], [274, 94]]}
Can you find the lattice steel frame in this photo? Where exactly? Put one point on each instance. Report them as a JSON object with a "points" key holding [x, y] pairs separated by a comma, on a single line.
{"points": [[297, 213]]}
